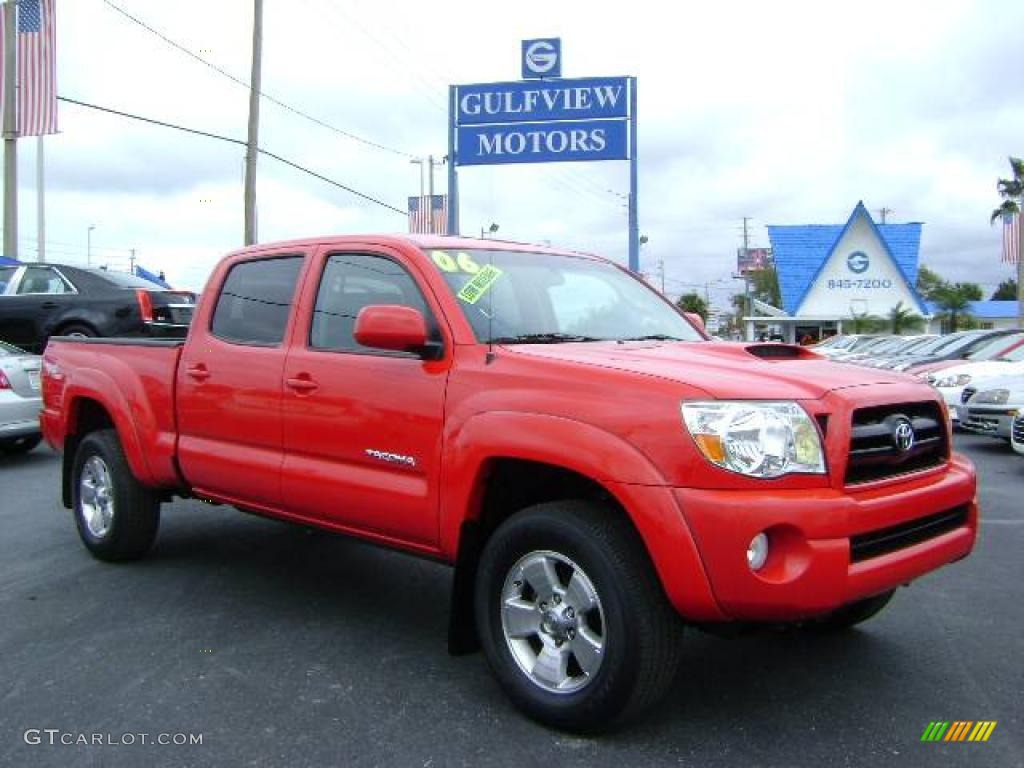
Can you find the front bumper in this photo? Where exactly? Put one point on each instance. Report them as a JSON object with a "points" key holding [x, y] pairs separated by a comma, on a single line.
{"points": [[992, 420], [810, 570], [19, 416]]}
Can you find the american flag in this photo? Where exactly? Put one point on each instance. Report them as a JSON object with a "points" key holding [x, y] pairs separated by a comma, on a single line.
{"points": [[428, 215], [37, 68], [1011, 238]]}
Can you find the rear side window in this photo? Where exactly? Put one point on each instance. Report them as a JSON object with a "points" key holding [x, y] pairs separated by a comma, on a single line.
{"points": [[256, 300], [43, 280], [351, 282]]}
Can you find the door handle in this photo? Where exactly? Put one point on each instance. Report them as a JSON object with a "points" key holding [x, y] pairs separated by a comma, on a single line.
{"points": [[198, 372], [302, 383], [49, 305]]}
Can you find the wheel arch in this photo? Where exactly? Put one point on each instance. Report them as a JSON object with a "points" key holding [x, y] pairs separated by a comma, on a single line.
{"points": [[503, 462]]}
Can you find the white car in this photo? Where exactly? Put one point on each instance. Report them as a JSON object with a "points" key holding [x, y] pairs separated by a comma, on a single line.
{"points": [[992, 409], [959, 383]]}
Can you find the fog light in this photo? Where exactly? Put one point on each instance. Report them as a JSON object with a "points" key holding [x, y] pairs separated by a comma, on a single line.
{"points": [[757, 552]]}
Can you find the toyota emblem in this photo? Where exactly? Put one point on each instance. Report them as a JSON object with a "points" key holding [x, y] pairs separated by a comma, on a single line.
{"points": [[903, 436]]}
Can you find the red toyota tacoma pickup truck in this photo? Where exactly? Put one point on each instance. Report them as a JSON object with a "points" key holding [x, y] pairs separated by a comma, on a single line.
{"points": [[599, 473]]}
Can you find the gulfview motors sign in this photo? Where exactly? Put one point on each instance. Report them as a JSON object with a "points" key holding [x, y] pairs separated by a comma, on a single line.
{"points": [[542, 120]]}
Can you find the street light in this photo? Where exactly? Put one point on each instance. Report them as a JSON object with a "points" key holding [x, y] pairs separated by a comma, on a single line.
{"points": [[88, 245], [419, 161]]}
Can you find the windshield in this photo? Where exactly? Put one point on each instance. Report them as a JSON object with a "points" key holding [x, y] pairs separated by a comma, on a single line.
{"points": [[993, 347], [1014, 356], [517, 297]]}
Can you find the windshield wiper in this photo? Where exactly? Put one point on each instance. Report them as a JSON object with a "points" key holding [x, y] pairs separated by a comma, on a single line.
{"points": [[542, 338], [653, 337]]}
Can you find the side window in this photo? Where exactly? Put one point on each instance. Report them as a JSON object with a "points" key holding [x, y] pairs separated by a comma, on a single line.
{"points": [[6, 273], [351, 282], [255, 301], [43, 280]]}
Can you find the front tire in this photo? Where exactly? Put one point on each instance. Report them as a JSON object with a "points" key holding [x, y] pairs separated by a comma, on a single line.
{"points": [[117, 516], [572, 617]]}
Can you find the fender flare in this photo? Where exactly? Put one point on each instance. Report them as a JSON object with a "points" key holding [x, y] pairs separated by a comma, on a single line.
{"points": [[619, 467], [100, 386]]}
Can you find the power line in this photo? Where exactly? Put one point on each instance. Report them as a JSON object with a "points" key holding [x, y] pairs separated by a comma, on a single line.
{"points": [[209, 135], [263, 94], [422, 73]]}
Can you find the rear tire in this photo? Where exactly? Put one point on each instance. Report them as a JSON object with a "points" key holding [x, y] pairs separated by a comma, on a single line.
{"points": [[572, 617], [852, 614], [18, 445], [77, 330], [117, 516]]}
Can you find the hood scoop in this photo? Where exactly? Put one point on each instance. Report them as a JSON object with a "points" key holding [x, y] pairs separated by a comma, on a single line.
{"points": [[781, 352]]}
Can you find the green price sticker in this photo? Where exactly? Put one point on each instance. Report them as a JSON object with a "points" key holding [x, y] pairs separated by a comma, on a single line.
{"points": [[480, 284]]}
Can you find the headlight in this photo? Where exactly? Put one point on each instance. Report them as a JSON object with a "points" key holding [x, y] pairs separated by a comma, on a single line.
{"points": [[757, 439], [991, 396], [959, 380]]}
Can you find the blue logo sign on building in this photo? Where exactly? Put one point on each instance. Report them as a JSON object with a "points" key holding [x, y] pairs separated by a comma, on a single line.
{"points": [[858, 262], [542, 58]]}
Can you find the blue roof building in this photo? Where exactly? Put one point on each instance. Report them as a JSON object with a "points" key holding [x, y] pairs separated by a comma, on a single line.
{"points": [[831, 272]]}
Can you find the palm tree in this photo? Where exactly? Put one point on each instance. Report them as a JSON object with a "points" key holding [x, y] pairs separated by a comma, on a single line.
{"points": [[954, 299], [693, 302], [904, 318], [1012, 192]]}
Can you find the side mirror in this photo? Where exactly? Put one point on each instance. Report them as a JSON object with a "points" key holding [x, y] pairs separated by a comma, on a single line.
{"points": [[390, 326]]}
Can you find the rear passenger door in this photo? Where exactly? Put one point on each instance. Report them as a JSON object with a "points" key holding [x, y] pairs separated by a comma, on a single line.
{"points": [[229, 384], [362, 427]]}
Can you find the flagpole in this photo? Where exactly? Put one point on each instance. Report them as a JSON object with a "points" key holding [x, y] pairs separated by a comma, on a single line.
{"points": [[10, 133], [41, 198], [1020, 267]]}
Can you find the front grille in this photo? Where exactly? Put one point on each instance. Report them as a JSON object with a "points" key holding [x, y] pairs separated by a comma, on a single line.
{"points": [[875, 543], [1018, 429], [874, 453], [967, 394]]}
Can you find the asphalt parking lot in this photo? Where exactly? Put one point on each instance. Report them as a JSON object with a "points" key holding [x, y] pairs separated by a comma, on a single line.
{"points": [[284, 646]]}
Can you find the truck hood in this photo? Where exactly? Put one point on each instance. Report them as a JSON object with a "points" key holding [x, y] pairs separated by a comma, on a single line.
{"points": [[723, 370]]}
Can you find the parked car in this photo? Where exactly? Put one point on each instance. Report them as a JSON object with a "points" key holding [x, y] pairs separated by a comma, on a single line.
{"points": [[991, 410], [20, 401], [959, 383], [959, 346], [594, 469], [996, 346], [44, 300], [1017, 432], [844, 344]]}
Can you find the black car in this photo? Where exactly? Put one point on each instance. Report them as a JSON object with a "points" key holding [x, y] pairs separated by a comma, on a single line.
{"points": [[38, 301]]}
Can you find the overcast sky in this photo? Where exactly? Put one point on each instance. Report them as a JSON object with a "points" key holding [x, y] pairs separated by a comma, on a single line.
{"points": [[785, 112]]}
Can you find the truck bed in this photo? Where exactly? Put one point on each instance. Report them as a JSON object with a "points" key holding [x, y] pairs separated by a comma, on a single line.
{"points": [[131, 379]]}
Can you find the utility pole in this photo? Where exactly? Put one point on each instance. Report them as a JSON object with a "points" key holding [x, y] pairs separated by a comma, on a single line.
{"points": [[252, 148], [747, 301], [661, 271], [40, 200], [883, 212], [10, 133]]}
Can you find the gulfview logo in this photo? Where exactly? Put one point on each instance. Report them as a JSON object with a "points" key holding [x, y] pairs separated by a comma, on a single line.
{"points": [[959, 730]]}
